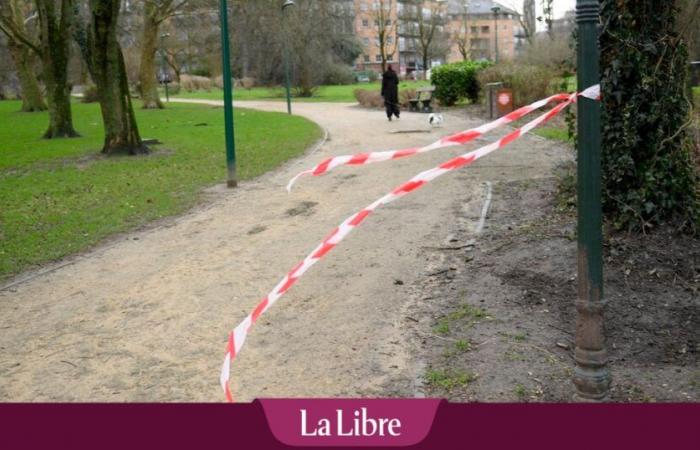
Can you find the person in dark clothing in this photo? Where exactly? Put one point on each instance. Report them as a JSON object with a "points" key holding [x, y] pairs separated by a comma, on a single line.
{"points": [[390, 92]]}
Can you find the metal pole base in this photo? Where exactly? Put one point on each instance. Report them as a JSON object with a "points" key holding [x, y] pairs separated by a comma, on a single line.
{"points": [[591, 377], [231, 180]]}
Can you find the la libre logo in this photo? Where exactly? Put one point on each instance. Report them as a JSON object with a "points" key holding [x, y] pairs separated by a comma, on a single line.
{"points": [[358, 423]]}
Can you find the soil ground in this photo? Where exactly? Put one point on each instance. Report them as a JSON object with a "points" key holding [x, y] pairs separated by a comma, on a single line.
{"points": [[145, 316], [493, 318]]}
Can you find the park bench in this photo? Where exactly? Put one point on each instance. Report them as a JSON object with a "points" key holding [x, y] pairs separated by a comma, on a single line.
{"points": [[423, 100]]}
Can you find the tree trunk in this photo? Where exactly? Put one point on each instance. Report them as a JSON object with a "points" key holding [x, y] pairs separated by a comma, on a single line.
{"points": [[55, 53], [109, 73], [23, 59], [147, 68]]}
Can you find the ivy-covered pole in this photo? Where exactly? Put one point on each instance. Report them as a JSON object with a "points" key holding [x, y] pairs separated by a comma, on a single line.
{"points": [[231, 179], [591, 376]]}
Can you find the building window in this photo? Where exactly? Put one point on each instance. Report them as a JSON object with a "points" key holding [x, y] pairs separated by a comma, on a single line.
{"points": [[365, 23], [389, 40], [365, 41], [485, 29], [366, 58], [378, 58], [475, 30]]}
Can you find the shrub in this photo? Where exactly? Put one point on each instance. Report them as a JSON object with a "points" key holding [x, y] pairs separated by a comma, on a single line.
{"points": [[457, 81], [373, 76], [195, 83], [248, 82], [529, 82], [338, 74], [173, 88], [90, 94], [405, 95], [201, 72], [369, 99]]}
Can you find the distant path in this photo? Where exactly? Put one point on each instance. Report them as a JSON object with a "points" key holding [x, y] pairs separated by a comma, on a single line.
{"points": [[145, 316]]}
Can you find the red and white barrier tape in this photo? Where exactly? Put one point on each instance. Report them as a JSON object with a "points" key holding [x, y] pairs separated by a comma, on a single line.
{"points": [[238, 335], [460, 138]]}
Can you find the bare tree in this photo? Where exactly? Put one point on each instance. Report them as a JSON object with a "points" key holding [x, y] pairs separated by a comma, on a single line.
{"points": [[14, 16], [548, 16], [428, 22], [386, 30], [106, 65], [155, 12], [528, 20], [460, 36], [56, 29]]}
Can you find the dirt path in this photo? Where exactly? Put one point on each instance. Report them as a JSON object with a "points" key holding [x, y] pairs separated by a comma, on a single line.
{"points": [[145, 316]]}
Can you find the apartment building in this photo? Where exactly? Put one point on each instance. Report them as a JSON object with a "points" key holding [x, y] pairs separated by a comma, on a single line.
{"points": [[475, 30], [461, 27]]}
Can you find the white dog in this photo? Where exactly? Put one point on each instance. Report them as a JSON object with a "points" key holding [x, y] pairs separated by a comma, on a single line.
{"points": [[435, 119]]}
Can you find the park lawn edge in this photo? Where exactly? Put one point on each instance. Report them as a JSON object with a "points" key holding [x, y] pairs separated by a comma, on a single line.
{"points": [[178, 201]]}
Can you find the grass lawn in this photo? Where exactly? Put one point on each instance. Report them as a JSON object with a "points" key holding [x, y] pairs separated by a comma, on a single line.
{"points": [[339, 93], [61, 196], [555, 132]]}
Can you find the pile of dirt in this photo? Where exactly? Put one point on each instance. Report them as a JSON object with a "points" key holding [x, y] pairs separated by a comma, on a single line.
{"points": [[495, 320]]}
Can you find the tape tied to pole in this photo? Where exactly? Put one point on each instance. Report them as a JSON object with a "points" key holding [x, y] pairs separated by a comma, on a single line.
{"points": [[237, 337]]}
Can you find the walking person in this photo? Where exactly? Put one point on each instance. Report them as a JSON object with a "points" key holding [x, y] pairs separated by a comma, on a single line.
{"points": [[390, 92]]}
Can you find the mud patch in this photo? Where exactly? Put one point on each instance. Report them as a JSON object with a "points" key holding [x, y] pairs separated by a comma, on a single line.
{"points": [[257, 229], [302, 209]]}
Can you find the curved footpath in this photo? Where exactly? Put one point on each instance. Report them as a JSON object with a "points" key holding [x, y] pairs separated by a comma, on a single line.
{"points": [[145, 316]]}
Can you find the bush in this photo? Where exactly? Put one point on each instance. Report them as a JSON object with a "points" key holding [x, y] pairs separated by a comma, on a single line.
{"points": [[173, 88], [338, 74], [405, 95], [457, 81], [529, 82], [369, 99], [201, 72], [90, 94], [192, 83], [248, 82], [373, 76]]}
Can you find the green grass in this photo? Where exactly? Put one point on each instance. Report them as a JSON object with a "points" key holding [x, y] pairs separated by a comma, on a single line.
{"points": [[448, 379], [61, 196], [554, 133], [335, 94]]}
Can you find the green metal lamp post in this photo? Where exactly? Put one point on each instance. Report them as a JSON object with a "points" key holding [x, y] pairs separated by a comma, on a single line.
{"points": [[496, 10], [286, 5], [591, 376], [231, 179]]}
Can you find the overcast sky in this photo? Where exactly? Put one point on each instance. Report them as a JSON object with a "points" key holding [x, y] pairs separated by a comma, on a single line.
{"points": [[560, 7]]}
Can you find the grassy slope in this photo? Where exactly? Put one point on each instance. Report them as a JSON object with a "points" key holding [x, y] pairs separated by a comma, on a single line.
{"points": [[58, 197], [324, 94]]}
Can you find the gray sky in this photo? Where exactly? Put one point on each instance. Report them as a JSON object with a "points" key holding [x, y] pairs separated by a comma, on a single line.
{"points": [[560, 7]]}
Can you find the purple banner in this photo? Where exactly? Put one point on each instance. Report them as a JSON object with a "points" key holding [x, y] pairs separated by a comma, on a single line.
{"points": [[244, 426]]}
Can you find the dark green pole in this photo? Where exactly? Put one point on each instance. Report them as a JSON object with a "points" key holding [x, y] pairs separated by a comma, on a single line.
{"points": [[231, 179], [591, 376], [285, 5]]}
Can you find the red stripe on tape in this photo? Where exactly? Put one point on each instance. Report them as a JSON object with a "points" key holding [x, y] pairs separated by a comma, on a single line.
{"points": [[359, 217], [463, 138], [404, 152], [510, 138], [325, 248], [408, 187], [259, 309], [321, 168], [360, 158], [289, 283], [456, 162]]}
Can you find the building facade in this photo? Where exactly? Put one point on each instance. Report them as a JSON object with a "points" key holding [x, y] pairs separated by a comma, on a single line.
{"points": [[398, 31]]}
